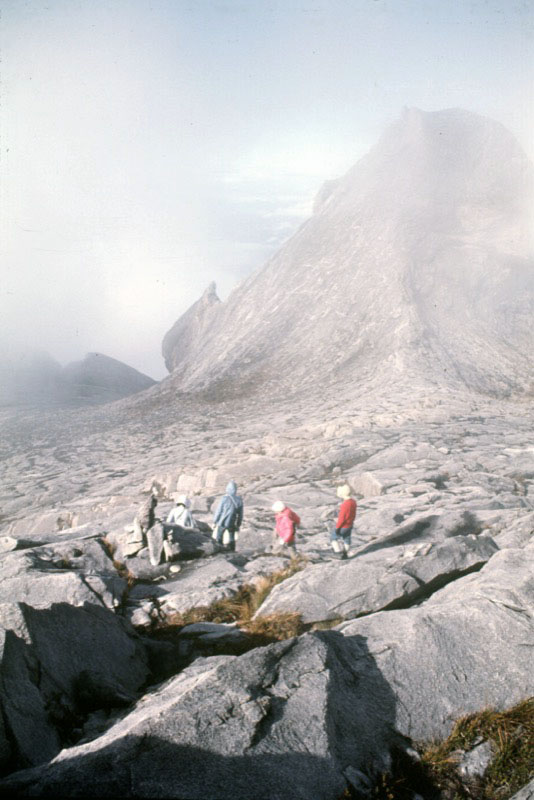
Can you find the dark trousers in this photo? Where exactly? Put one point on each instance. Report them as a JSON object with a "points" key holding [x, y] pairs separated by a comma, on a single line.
{"points": [[231, 534], [341, 533]]}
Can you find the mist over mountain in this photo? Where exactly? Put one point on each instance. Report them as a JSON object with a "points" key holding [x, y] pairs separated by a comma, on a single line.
{"points": [[416, 267], [37, 379]]}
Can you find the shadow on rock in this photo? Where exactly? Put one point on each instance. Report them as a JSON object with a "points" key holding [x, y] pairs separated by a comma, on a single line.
{"points": [[307, 718], [58, 665]]}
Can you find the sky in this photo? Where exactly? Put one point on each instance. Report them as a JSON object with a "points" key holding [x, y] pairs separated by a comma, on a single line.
{"points": [[149, 147]]}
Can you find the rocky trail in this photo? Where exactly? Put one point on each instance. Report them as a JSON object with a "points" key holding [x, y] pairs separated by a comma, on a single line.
{"points": [[444, 513]]}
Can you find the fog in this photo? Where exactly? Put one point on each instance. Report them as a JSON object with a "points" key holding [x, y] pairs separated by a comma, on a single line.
{"points": [[149, 148]]}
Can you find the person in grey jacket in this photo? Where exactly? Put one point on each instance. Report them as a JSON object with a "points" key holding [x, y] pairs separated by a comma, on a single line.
{"points": [[229, 515]]}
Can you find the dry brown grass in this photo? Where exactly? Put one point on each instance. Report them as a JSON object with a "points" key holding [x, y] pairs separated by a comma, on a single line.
{"points": [[512, 736], [436, 775], [276, 627], [120, 567], [240, 609]]}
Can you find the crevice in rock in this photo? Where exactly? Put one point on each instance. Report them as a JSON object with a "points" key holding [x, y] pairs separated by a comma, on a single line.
{"points": [[275, 707], [426, 590], [411, 600], [92, 589], [13, 761], [273, 704], [121, 570]]}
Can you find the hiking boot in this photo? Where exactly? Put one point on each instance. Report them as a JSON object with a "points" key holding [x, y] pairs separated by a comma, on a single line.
{"points": [[343, 556]]}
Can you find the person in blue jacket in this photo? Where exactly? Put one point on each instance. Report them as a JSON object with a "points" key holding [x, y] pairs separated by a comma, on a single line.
{"points": [[229, 515]]}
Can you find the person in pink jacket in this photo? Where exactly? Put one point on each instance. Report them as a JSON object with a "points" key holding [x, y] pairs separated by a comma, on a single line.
{"points": [[286, 522], [340, 536]]}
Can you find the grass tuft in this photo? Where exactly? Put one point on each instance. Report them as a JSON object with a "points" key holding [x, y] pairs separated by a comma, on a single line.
{"points": [[240, 609], [120, 567], [436, 775], [276, 627], [512, 736]]}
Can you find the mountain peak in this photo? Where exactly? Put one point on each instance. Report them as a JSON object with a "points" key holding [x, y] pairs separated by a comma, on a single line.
{"points": [[416, 266]]}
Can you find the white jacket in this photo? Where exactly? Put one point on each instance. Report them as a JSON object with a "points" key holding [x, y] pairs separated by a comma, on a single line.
{"points": [[180, 515]]}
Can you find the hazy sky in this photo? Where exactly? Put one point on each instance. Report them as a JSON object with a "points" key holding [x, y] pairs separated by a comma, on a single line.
{"points": [[149, 147]]}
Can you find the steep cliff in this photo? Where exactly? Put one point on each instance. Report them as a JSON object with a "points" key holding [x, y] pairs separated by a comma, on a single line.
{"points": [[415, 267]]}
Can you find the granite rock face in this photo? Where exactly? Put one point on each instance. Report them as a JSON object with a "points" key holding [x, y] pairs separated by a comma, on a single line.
{"points": [[74, 572], [526, 793], [180, 341], [416, 268], [59, 662], [468, 647], [402, 576], [286, 721]]}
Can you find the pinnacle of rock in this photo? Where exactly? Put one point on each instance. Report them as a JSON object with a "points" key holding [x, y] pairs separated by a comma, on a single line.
{"points": [[183, 337]]}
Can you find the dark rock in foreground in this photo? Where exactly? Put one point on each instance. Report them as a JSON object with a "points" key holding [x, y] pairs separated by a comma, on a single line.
{"points": [[57, 664], [291, 720]]}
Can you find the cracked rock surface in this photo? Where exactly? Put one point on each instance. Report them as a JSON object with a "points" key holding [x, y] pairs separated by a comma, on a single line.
{"points": [[287, 719], [468, 647]]}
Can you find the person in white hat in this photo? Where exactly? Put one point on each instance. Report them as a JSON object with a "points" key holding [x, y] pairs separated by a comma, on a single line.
{"points": [[180, 514], [340, 537], [286, 522]]}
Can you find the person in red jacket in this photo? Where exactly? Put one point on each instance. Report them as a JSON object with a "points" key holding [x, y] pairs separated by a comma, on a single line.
{"points": [[285, 527], [340, 536]]}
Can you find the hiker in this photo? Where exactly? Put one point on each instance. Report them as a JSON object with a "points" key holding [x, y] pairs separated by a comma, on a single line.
{"points": [[179, 517], [285, 527], [150, 529], [228, 516], [146, 517], [340, 536], [180, 514]]}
